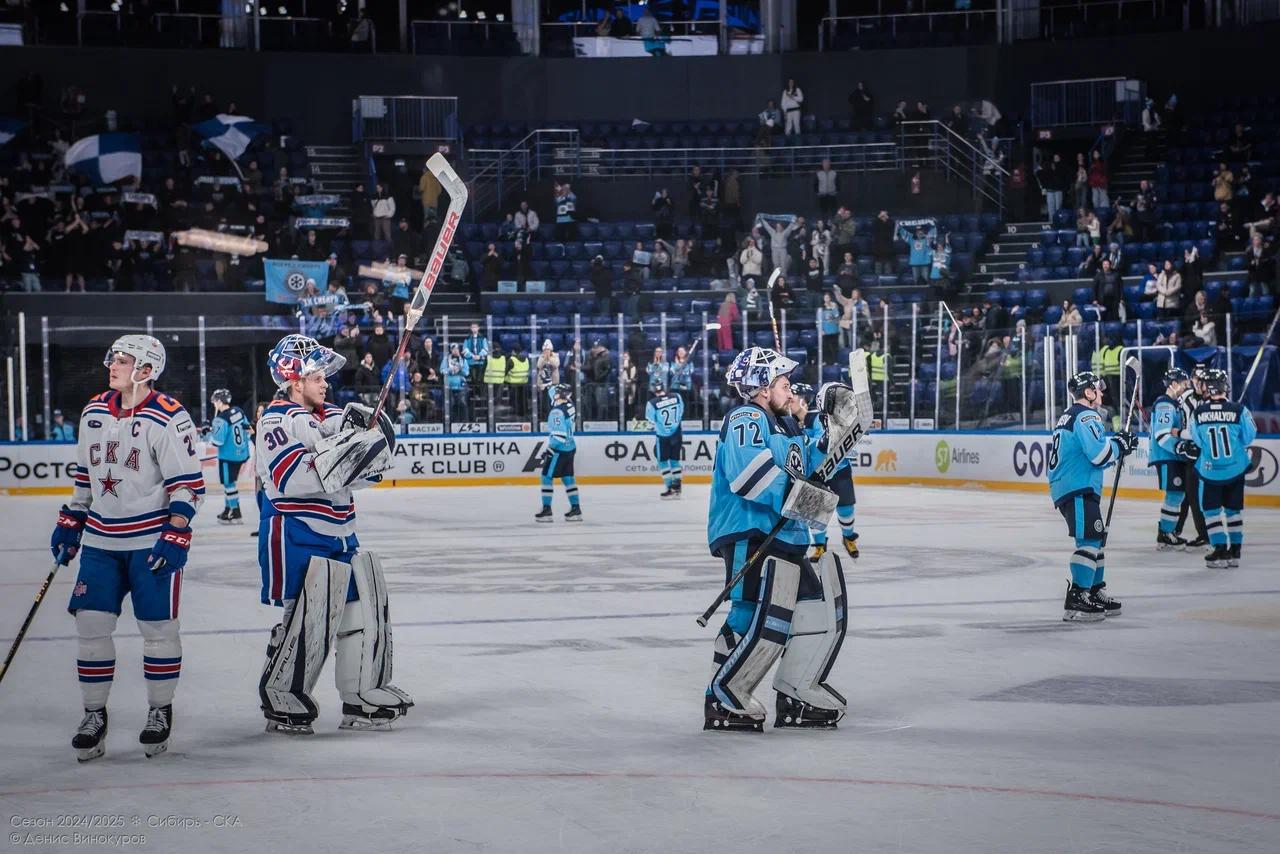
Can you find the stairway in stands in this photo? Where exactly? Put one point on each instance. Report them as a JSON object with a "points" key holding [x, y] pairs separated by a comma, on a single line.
{"points": [[1135, 160], [1008, 255], [337, 169]]}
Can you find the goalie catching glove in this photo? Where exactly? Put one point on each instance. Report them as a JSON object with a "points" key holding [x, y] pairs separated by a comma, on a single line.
{"points": [[357, 454]]}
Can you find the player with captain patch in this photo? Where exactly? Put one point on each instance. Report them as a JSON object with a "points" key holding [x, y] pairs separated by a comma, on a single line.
{"points": [[137, 484]]}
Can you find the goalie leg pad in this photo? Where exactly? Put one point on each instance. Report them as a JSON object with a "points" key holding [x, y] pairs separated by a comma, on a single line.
{"points": [[364, 655], [743, 667], [817, 632], [300, 645]]}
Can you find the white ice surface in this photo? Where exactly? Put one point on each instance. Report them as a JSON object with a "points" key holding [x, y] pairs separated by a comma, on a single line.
{"points": [[559, 678]]}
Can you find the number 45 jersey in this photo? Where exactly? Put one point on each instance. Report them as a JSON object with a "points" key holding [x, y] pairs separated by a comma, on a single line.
{"points": [[1224, 431], [134, 468]]}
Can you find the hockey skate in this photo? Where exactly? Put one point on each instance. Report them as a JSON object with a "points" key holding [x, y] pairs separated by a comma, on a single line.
{"points": [[288, 724], [1098, 593], [230, 516], [90, 740], [1234, 555], [358, 716], [1219, 558], [851, 545], [1080, 608], [155, 735], [1197, 543], [670, 495], [1170, 542], [796, 714], [544, 515], [819, 549], [717, 717], [574, 514]]}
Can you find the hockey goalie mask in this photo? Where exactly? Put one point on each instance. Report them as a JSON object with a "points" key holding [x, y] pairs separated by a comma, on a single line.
{"points": [[145, 350], [297, 356], [757, 368]]}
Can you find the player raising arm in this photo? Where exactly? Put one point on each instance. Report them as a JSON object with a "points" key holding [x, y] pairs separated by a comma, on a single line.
{"points": [[137, 486]]}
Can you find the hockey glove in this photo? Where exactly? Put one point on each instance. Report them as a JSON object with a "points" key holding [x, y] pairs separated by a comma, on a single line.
{"points": [[1127, 442], [356, 416], [65, 541], [1187, 449], [169, 554]]}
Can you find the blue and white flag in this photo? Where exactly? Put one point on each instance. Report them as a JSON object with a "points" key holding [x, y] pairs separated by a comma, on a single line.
{"points": [[286, 278], [107, 157], [230, 134], [9, 128]]}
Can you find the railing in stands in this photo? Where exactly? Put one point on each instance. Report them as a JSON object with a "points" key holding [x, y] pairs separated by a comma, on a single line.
{"points": [[405, 118], [451, 31], [933, 145], [773, 161], [976, 24], [1066, 103], [495, 173]]}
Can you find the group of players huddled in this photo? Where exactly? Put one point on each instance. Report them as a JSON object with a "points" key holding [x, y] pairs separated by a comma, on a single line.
{"points": [[138, 483]]}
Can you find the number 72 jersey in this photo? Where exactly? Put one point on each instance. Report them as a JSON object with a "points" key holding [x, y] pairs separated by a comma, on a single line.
{"points": [[1224, 431]]}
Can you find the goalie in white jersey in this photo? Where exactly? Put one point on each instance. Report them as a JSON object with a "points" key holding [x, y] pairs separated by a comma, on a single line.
{"points": [[312, 455], [137, 485]]}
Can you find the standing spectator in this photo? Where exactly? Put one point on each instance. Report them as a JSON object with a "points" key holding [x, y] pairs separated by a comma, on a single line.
{"points": [[731, 203], [682, 373], [1121, 228], [813, 277], [429, 195], [843, 229], [778, 244], [847, 274], [599, 366], [1144, 211], [792, 102], [660, 260], [1240, 145], [475, 349], [921, 255], [1071, 318], [384, 210], [1107, 290], [361, 213], [1150, 126], [454, 370], [750, 260], [680, 258], [830, 314], [632, 285], [1205, 329], [1223, 184], [1168, 292], [347, 345], [61, 430], [781, 296], [649, 29], [602, 284], [521, 256], [1099, 181], [1080, 186], [404, 407], [663, 211], [728, 316], [527, 222], [26, 257], [770, 118], [366, 382], [862, 107], [1091, 264], [627, 377], [658, 372], [1192, 273], [1260, 261], [855, 319], [379, 345], [1227, 228], [826, 183], [496, 370], [820, 246], [882, 245], [1054, 180], [547, 369], [566, 212], [491, 269]]}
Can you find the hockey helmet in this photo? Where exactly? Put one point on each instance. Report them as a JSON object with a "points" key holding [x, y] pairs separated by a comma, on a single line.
{"points": [[802, 390], [221, 395], [1216, 382], [297, 356], [1175, 375], [560, 390], [145, 350], [1199, 371], [757, 368], [1082, 382]]}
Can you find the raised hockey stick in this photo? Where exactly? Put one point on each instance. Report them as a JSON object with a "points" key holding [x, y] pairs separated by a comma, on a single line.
{"points": [[1135, 365], [440, 168], [768, 295], [31, 615], [710, 327], [853, 431], [1257, 358]]}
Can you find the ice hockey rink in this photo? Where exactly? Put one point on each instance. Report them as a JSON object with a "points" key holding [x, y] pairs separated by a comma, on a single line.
{"points": [[559, 675]]}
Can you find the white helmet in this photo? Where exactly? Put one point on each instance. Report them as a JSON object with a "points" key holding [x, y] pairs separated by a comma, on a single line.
{"points": [[757, 368], [145, 350]]}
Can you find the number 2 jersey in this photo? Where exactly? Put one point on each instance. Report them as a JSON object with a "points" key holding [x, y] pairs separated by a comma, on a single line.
{"points": [[230, 435], [135, 468], [1224, 431], [285, 453], [1080, 452]]}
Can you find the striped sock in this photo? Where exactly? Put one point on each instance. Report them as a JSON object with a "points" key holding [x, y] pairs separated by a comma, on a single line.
{"points": [[547, 490], [571, 490], [1235, 527]]}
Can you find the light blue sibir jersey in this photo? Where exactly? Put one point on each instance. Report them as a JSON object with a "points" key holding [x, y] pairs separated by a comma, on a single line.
{"points": [[560, 428], [1166, 417], [1223, 430], [666, 413], [1081, 451], [230, 435], [682, 376], [749, 484]]}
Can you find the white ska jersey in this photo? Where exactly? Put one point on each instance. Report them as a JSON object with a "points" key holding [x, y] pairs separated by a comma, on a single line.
{"points": [[135, 468], [284, 447]]}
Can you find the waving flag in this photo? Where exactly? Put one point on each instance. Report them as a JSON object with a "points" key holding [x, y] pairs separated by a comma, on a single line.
{"points": [[230, 134], [107, 157], [9, 128]]}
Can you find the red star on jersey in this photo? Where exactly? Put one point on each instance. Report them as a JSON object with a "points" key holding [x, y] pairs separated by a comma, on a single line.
{"points": [[109, 484]]}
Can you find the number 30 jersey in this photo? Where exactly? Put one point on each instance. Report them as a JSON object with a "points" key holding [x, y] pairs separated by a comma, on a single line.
{"points": [[1080, 452], [1224, 431], [134, 468], [285, 450]]}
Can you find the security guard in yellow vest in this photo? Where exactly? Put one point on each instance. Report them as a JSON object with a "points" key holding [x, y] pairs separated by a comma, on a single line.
{"points": [[1106, 363], [495, 372], [877, 366], [518, 379]]}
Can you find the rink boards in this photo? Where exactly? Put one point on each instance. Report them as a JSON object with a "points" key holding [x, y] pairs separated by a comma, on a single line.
{"points": [[994, 460]]}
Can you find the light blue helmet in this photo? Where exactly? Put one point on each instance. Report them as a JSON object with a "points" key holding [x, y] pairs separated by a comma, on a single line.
{"points": [[757, 368], [297, 356]]}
